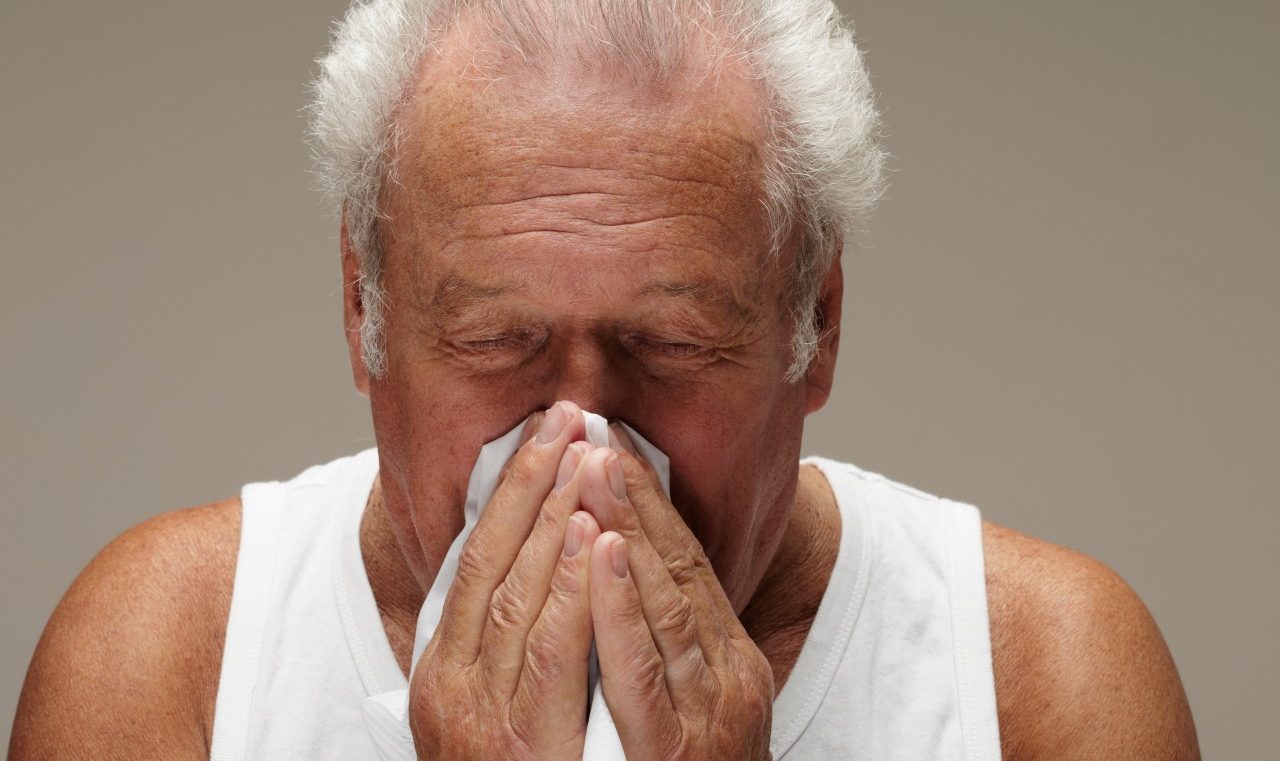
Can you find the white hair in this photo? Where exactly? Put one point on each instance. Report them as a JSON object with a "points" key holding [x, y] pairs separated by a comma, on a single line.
{"points": [[824, 167]]}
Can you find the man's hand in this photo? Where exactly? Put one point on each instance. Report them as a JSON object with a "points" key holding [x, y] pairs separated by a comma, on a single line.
{"points": [[680, 674], [505, 674]]}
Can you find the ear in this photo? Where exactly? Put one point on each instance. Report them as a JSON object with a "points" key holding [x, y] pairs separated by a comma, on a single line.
{"points": [[822, 370], [353, 309]]}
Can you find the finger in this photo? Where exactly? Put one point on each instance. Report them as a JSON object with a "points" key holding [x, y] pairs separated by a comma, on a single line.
{"points": [[621, 441], [530, 428], [669, 531], [679, 622], [666, 528], [519, 599], [489, 551], [632, 672], [552, 691]]}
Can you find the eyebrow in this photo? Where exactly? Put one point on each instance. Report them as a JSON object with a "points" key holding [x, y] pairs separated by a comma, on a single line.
{"points": [[455, 292], [702, 292]]}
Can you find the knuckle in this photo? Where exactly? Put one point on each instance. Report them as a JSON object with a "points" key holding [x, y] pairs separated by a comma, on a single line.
{"points": [[675, 616], [648, 675], [544, 659], [472, 563], [699, 557], [550, 517], [565, 583], [507, 607], [683, 567]]}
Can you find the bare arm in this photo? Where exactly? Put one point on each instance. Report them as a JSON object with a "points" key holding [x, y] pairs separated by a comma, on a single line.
{"points": [[127, 667], [1082, 671]]}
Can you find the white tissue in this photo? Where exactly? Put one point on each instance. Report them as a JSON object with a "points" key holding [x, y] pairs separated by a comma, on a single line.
{"points": [[386, 714]]}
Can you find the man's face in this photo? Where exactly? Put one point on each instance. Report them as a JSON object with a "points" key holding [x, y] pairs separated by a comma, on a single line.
{"points": [[600, 245]]}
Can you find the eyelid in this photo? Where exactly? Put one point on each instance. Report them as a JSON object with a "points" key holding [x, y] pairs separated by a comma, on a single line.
{"points": [[515, 339], [487, 343], [665, 347]]}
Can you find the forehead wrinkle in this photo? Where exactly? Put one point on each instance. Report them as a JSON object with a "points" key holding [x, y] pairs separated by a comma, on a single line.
{"points": [[494, 173], [523, 193], [696, 153], [712, 97], [726, 169], [590, 226], [467, 143]]}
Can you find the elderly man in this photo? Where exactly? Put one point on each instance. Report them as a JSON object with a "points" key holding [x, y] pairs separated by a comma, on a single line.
{"points": [[634, 209]]}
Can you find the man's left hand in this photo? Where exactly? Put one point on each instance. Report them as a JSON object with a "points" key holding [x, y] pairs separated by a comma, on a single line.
{"points": [[682, 677]]}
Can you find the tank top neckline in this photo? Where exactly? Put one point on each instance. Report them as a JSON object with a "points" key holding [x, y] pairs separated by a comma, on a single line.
{"points": [[793, 708]]}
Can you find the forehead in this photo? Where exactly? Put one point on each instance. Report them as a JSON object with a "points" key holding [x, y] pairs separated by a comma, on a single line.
{"points": [[660, 183], [466, 134]]}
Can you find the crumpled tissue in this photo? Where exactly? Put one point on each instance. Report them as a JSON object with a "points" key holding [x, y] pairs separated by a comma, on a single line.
{"points": [[386, 714]]}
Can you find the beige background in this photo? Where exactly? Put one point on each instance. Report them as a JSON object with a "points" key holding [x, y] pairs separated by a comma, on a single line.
{"points": [[1066, 312]]}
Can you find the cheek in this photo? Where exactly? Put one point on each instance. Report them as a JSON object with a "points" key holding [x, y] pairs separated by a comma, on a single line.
{"points": [[430, 429], [732, 458]]}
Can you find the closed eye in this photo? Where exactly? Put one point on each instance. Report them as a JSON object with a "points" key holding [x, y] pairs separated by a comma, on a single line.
{"points": [[488, 344], [677, 349], [512, 341]]}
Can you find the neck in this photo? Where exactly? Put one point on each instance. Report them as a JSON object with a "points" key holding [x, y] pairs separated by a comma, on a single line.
{"points": [[396, 590], [781, 611]]}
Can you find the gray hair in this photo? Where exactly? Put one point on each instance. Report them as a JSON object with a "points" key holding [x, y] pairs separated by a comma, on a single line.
{"points": [[824, 167]]}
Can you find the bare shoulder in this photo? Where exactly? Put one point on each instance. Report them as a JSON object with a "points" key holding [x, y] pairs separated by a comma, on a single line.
{"points": [[129, 661], [1081, 668]]}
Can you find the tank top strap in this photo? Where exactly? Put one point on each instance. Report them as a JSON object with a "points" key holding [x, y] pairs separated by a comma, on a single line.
{"points": [[357, 608], [971, 631], [917, 661], [292, 533], [262, 516], [815, 669]]}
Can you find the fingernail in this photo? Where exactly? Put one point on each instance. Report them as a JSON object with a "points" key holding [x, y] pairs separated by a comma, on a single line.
{"points": [[569, 464], [573, 537], [552, 424], [617, 482], [618, 554]]}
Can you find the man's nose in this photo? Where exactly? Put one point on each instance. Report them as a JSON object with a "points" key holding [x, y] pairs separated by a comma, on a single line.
{"points": [[585, 376]]}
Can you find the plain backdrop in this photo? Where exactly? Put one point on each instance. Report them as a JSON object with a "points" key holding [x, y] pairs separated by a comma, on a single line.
{"points": [[1064, 313]]}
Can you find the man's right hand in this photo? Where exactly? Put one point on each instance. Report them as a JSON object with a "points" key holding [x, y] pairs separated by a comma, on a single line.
{"points": [[505, 674]]}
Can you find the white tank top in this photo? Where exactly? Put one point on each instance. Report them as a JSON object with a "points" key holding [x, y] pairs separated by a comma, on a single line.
{"points": [[897, 664]]}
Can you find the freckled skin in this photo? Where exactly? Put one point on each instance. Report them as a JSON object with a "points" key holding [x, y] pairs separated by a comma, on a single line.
{"points": [[596, 244], [557, 244]]}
